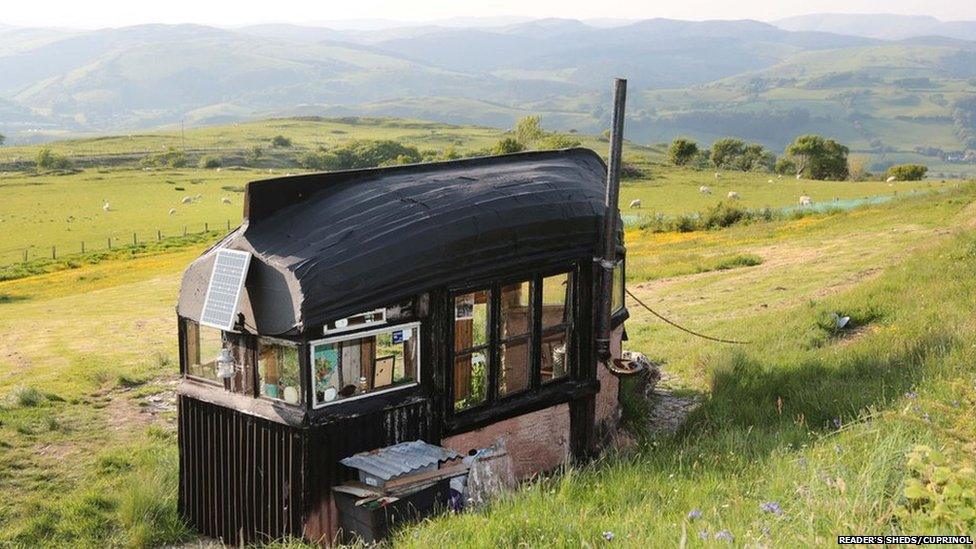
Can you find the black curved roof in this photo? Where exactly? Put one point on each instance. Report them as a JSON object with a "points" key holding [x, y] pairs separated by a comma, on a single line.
{"points": [[328, 245]]}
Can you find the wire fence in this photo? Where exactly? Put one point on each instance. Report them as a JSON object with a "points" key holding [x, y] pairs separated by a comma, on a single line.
{"points": [[118, 240]]}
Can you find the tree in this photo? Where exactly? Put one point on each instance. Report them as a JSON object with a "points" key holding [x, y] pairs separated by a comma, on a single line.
{"points": [[507, 145], [171, 158], [47, 159], [364, 153], [2, 139], [557, 141], [908, 172], [280, 142], [254, 154], [733, 154], [857, 167], [682, 151], [209, 162], [819, 158], [726, 151], [528, 129]]}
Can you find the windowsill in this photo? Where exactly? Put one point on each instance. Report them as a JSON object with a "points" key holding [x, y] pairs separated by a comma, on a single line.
{"points": [[271, 410], [548, 395], [321, 405]]}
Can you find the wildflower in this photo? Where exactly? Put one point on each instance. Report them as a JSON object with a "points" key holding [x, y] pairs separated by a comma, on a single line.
{"points": [[771, 507], [724, 535], [837, 423], [694, 514], [608, 535], [911, 394], [703, 534]]}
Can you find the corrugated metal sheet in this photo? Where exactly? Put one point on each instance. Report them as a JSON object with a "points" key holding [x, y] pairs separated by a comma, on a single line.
{"points": [[399, 459]]}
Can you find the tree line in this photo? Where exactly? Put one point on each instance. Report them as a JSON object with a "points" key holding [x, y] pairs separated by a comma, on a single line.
{"points": [[809, 156]]}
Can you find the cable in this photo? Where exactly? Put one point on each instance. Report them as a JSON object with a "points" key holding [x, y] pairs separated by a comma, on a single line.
{"points": [[682, 328]]}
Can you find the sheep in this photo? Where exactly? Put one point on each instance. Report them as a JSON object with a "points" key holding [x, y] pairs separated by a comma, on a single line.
{"points": [[891, 179], [225, 200], [172, 211], [705, 189], [635, 203], [718, 175], [106, 206], [799, 176], [186, 200], [780, 176], [198, 197], [806, 201], [770, 181], [733, 195]]}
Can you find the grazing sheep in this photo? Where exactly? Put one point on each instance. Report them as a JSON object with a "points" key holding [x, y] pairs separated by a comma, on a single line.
{"points": [[635, 203], [780, 176], [198, 197], [718, 175], [225, 200], [186, 200], [806, 201], [799, 176], [218, 169], [705, 189], [733, 195], [172, 211], [891, 179], [770, 181], [106, 206]]}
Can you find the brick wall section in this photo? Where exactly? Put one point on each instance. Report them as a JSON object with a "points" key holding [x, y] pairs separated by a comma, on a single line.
{"points": [[607, 401], [537, 442]]}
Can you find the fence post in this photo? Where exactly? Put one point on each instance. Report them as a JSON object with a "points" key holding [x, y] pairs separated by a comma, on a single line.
{"points": [[206, 227], [110, 242], [25, 255], [54, 252], [82, 246], [159, 235], [228, 224], [184, 230], [134, 241]]}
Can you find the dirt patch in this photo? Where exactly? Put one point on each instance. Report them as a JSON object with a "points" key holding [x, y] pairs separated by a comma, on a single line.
{"points": [[124, 413], [668, 408]]}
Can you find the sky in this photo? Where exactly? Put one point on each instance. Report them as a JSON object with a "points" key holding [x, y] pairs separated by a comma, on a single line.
{"points": [[113, 13]]}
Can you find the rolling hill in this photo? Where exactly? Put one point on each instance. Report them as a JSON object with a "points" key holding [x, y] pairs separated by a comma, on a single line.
{"points": [[705, 79]]}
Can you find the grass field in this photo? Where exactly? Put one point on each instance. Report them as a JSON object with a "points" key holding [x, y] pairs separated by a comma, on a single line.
{"points": [[806, 433], [48, 214]]}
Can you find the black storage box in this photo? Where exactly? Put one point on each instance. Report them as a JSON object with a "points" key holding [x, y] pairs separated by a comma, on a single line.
{"points": [[372, 523]]}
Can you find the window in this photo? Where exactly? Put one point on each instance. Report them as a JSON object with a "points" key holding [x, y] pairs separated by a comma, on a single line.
{"points": [[471, 336], [516, 330], [360, 364], [557, 325], [278, 370], [511, 338], [617, 299], [203, 345]]}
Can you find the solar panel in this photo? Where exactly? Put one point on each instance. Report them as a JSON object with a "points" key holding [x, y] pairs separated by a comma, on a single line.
{"points": [[224, 292]]}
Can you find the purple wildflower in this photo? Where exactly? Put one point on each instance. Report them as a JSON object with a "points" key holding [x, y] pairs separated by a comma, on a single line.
{"points": [[608, 535], [911, 394], [837, 423], [694, 514], [725, 535], [771, 507], [703, 534]]}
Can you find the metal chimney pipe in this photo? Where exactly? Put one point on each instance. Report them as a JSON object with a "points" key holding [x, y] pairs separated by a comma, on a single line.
{"points": [[611, 213]]}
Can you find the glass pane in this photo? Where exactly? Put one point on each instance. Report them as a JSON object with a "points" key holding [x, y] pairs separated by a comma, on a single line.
{"points": [[618, 287], [203, 347], [278, 371], [556, 292], [555, 355], [516, 312], [358, 366], [471, 320], [470, 380], [516, 370]]}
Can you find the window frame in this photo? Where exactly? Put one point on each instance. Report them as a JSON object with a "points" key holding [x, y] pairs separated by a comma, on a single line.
{"points": [[485, 348], [417, 325], [257, 369], [186, 325], [534, 337]]}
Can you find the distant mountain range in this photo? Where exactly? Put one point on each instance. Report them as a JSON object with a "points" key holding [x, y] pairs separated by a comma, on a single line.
{"points": [[868, 78]]}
